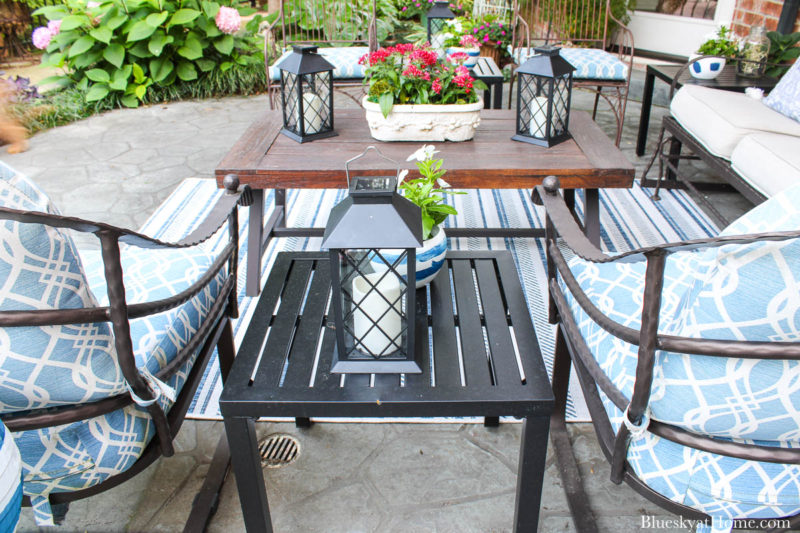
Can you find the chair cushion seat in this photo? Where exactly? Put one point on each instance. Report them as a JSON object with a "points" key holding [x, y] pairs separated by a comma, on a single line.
{"points": [[589, 63], [344, 58], [770, 162], [720, 119]]}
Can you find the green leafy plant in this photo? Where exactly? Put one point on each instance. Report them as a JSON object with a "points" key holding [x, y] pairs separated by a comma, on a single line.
{"points": [[723, 44], [783, 49], [341, 20], [410, 74], [428, 190], [122, 49]]}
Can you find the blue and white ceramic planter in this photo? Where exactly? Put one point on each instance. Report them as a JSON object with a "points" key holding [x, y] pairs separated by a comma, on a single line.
{"points": [[473, 54], [706, 68], [430, 257]]}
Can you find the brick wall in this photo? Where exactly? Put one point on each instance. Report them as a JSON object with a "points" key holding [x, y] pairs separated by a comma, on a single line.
{"points": [[753, 12]]}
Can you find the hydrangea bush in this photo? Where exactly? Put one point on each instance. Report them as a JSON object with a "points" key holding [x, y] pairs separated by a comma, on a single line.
{"points": [[411, 74], [120, 48]]}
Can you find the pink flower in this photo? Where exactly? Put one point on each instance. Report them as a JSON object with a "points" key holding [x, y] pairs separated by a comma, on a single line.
{"points": [[475, 30], [92, 5], [404, 8], [503, 32], [437, 86], [54, 26], [469, 41], [41, 37], [416, 4], [500, 24], [499, 43], [486, 38], [228, 20]]}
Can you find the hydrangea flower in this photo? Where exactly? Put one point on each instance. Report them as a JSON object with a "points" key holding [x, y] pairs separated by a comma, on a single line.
{"points": [[228, 20], [41, 37], [54, 26]]}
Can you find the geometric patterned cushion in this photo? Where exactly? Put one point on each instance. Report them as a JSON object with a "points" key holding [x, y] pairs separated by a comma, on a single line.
{"points": [[589, 63], [785, 97], [343, 58], [40, 269], [83, 454], [10, 481]]}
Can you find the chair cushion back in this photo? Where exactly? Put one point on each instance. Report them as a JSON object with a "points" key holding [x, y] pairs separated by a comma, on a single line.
{"points": [[750, 292], [40, 269]]}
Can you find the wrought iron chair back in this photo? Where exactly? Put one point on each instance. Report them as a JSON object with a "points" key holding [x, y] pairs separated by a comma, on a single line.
{"points": [[572, 348]]}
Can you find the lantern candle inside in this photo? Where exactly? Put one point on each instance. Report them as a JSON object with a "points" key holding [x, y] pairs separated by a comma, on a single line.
{"points": [[377, 313], [538, 109]]}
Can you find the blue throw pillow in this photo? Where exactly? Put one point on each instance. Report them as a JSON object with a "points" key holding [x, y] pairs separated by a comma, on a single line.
{"points": [[785, 97]]}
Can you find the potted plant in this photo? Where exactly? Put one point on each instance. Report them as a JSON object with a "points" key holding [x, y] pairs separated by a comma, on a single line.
{"points": [[721, 45], [428, 192], [494, 37], [464, 44], [415, 96]]}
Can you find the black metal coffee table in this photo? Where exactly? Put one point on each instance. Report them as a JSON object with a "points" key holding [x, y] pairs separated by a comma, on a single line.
{"points": [[282, 368]]}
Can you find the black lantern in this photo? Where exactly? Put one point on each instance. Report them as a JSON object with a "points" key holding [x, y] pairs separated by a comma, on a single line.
{"points": [[306, 95], [544, 91], [437, 17], [372, 299]]}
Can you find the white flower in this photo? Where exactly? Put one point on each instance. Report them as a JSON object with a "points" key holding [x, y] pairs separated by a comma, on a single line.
{"points": [[424, 153], [754, 92], [443, 184], [401, 176]]}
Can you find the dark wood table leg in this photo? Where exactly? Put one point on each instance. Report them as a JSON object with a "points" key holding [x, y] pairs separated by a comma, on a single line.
{"points": [[644, 117], [498, 95], [591, 216], [255, 238], [487, 97], [246, 460], [530, 473]]}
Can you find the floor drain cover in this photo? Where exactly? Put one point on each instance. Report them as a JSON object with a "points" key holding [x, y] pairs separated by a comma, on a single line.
{"points": [[278, 450]]}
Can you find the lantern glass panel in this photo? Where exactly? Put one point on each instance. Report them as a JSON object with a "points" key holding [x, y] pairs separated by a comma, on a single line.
{"points": [[373, 299], [537, 117], [436, 29], [314, 106]]}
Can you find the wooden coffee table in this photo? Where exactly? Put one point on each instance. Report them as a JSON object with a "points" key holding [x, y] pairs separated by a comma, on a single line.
{"points": [[264, 159]]}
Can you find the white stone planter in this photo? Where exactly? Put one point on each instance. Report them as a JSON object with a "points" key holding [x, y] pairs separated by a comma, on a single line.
{"points": [[424, 122]]}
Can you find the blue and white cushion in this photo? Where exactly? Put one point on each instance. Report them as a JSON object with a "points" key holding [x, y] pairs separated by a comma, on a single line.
{"points": [[82, 454], [734, 292], [785, 97], [345, 59], [589, 63], [10, 482]]}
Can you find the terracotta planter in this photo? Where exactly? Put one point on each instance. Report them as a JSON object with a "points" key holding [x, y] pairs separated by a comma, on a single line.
{"points": [[424, 122]]}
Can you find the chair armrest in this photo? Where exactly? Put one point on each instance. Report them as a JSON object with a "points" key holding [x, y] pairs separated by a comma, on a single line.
{"points": [[560, 216], [625, 43], [234, 195]]}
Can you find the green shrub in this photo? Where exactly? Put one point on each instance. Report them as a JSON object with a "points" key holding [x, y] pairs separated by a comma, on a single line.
{"points": [[783, 49], [123, 50]]}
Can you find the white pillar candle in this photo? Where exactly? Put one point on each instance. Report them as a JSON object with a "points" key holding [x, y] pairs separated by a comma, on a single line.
{"points": [[312, 113], [372, 304], [538, 109]]}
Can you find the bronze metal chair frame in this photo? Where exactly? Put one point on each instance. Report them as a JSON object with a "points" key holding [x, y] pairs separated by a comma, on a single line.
{"points": [[215, 331], [571, 347], [272, 49], [622, 39]]}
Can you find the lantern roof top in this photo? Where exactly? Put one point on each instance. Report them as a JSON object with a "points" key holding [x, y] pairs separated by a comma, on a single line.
{"points": [[374, 215], [440, 10], [547, 62], [304, 59]]}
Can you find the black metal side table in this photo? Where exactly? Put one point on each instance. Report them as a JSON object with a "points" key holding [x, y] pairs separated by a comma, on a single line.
{"points": [[488, 72], [282, 368]]}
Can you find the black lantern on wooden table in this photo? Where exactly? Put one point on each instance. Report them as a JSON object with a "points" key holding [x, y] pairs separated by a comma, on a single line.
{"points": [[437, 16], [372, 300], [544, 93], [306, 95]]}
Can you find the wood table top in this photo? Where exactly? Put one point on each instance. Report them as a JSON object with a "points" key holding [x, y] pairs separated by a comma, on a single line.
{"points": [[265, 159]]}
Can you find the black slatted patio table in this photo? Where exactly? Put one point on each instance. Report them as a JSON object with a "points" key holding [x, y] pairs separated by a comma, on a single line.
{"points": [[282, 368]]}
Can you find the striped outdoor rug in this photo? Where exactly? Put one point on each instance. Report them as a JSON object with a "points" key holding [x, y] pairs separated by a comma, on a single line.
{"points": [[629, 220]]}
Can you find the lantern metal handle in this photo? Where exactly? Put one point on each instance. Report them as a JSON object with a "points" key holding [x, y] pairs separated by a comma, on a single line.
{"points": [[364, 153]]}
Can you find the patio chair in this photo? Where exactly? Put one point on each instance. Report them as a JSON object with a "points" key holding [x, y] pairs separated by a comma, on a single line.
{"points": [[688, 355], [603, 58], [101, 350], [343, 33]]}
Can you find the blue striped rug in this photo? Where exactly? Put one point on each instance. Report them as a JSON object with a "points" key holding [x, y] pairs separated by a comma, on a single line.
{"points": [[629, 220]]}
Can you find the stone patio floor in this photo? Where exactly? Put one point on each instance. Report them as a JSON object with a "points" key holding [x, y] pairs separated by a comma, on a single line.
{"points": [[352, 478]]}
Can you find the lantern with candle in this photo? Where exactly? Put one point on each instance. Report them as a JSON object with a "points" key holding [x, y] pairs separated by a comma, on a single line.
{"points": [[306, 95], [544, 92], [437, 18], [372, 301]]}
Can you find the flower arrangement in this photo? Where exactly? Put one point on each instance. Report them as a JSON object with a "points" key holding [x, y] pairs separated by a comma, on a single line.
{"points": [[493, 33], [428, 190], [411, 74]]}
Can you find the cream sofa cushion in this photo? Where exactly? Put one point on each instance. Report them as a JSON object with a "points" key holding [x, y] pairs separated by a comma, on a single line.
{"points": [[720, 119], [770, 162]]}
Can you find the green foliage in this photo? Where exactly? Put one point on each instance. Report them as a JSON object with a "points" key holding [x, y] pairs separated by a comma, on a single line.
{"points": [[124, 50], [341, 20], [428, 190], [783, 49], [723, 45]]}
